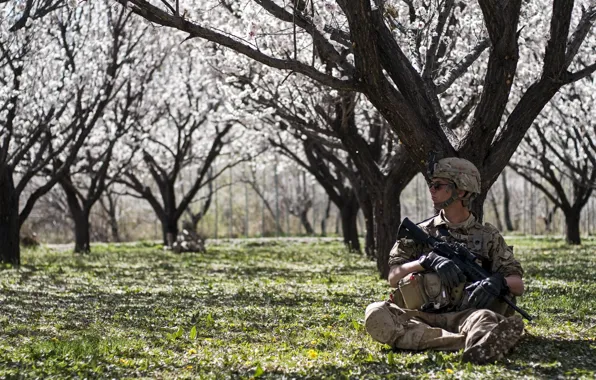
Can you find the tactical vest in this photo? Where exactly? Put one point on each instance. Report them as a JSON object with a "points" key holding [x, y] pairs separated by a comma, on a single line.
{"points": [[425, 292]]}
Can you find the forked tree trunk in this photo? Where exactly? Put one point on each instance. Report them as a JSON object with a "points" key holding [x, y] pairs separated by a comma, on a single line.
{"points": [[10, 251]]}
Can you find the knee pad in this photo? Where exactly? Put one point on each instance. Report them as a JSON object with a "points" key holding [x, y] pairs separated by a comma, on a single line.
{"points": [[382, 323]]}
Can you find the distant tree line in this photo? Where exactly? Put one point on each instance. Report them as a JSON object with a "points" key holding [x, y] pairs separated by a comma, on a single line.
{"points": [[358, 100]]}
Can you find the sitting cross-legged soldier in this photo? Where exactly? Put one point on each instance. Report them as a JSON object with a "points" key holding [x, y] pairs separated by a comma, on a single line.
{"points": [[433, 306]]}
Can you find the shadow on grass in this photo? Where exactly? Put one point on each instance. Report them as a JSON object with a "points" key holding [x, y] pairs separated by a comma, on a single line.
{"points": [[251, 311], [552, 357], [355, 371], [243, 300]]}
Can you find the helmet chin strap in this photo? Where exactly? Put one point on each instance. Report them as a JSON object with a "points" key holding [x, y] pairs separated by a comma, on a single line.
{"points": [[467, 200], [451, 199]]}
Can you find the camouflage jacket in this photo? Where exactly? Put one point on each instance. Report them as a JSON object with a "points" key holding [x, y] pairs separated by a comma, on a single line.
{"points": [[484, 240]]}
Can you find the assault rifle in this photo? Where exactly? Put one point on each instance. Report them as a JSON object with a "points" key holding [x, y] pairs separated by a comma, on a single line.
{"points": [[458, 253]]}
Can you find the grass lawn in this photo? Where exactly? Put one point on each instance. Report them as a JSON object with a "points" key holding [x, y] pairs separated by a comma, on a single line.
{"points": [[270, 310]]}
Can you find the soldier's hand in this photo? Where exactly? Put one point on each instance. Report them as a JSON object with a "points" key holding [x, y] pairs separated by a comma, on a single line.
{"points": [[448, 271], [484, 292]]}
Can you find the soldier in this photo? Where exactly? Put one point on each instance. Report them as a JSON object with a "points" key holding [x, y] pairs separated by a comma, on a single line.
{"points": [[433, 307]]}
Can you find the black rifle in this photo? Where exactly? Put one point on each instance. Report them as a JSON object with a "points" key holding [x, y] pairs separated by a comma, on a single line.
{"points": [[457, 253]]}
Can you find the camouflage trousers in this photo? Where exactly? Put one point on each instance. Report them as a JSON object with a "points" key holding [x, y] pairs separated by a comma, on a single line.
{"points": [[417, 330]]}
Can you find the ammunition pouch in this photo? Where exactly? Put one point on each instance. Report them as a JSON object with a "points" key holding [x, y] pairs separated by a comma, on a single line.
{"points": [[425, 292]]}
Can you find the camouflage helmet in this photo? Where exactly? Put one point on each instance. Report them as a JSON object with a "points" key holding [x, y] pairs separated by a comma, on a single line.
{"points": [[462, 172]]}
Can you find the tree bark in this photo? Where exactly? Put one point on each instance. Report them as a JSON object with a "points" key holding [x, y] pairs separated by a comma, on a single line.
{"points": [[114, 227], [169, 226], [549, 215], [349, 224], [388, 218], [111, 210], [478, 206], [369, 219], [572, 221], [80, 217], [325, 217], [9, 220], [82, 237], [306, 223], [506, 202], [493, 202], [115, 230]]}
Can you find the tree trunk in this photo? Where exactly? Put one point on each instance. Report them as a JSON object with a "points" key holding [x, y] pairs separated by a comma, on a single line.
{"points": [[82, 240], [80, 217], [169, 227], [349, 226], [306, 223], [549, 216], [387, 221], [325, 217], [114, 228], [506, 208], [478, 206], [572, 221], [493, 202], [112, 213], [169, 221], [369, 219], [9, 220]]}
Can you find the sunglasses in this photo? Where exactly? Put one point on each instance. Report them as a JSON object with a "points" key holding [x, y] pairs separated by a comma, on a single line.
{"points": [[437, 185]]}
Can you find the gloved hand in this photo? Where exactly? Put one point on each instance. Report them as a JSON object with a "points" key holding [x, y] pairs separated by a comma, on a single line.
{"points": [[448, 272], [484, 292]]}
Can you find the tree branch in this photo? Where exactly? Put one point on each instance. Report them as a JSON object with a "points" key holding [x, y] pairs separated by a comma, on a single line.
{"points": [[148, 11], [463, 66], [554, 57], [585, 72], [581, 31]]}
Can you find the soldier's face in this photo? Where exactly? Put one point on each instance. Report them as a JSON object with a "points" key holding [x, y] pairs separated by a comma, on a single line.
{"points": [[440, 190]]}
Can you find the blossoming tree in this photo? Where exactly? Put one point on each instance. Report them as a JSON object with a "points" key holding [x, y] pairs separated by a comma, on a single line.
{"points": [[341, 140], [182, 136], [58, 76], [426, 67], [558, 155], [96, 166]]}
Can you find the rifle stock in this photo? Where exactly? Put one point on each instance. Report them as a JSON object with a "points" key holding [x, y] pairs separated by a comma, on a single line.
{"points": [[459, 254]]}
